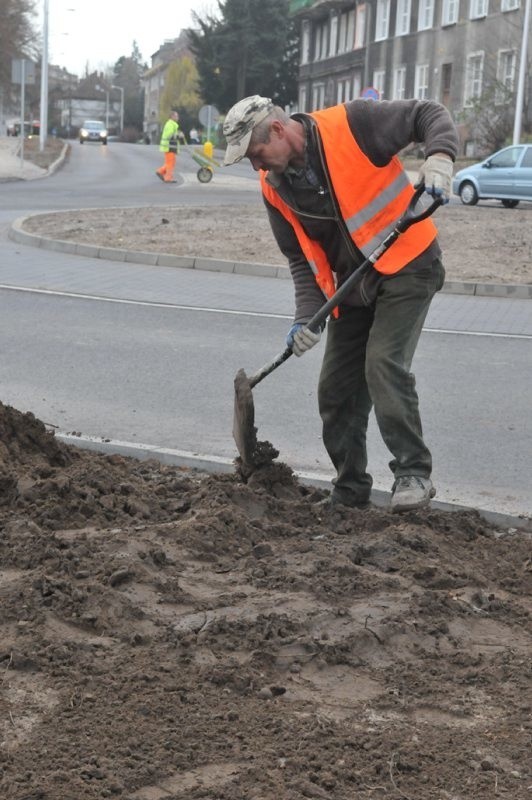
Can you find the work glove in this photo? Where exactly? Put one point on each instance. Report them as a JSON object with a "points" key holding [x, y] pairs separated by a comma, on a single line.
{"points": [[300, 339], [437, 174]]}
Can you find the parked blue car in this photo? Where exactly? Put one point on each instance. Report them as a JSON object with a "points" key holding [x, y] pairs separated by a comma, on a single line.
{"points": [[505, 176]]}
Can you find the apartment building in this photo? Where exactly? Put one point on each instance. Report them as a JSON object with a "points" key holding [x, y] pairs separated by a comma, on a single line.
{"points": [[453, 51], [153, 81]]}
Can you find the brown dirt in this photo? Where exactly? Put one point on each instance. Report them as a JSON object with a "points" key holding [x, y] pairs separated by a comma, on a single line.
{"points": [[486, 243], [172, 635], [52, 150]]}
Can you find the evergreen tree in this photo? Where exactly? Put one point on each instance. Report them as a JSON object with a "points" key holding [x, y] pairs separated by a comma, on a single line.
{"points": [[250, 48], [127, 73]]}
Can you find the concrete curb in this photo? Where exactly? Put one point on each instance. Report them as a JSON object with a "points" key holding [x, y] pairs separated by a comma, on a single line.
{"points": [[215, 464], [41, 172], [18, 234], [54, 166]]}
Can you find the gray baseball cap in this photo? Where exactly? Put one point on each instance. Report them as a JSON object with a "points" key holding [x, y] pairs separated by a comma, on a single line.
{"points": [[239, 123]]}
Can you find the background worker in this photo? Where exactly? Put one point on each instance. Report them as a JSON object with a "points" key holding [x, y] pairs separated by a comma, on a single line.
{"points": [[333, 188], [169, 146]]}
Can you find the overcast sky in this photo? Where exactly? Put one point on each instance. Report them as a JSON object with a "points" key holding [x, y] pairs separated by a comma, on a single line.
{"points": [[98, 32]]}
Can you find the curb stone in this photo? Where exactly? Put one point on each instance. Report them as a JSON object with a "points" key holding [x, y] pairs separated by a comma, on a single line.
{"points": [[18, 234]]}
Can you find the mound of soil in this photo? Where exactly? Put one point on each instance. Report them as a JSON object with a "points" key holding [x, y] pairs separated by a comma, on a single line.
{"points": [[170, 635]]}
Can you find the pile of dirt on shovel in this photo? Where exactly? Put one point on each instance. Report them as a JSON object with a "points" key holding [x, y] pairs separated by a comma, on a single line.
{"points": [[172, 635]]}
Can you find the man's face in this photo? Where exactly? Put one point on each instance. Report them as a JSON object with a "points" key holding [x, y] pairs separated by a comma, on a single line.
{"points": [[272, 155]]}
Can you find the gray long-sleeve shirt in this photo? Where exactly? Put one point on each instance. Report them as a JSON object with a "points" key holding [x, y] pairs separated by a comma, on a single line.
{"points": [[381, 129]]}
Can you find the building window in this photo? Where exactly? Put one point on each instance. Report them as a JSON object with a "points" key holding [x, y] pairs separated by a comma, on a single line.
{"points": [[357, 84], [399, 83], [346, 40], [320, 42], [379, 76], [425, 15], [505, 75], [302, 100], [449, 12], [318, 96], [446, 83], [478, 8], [305, 41], [421, 88], [343, 90], [360, 27], [382, 20], [473, 83], [343, 33], [510, 5], [402, 19], [350, 39], [333, 35]]}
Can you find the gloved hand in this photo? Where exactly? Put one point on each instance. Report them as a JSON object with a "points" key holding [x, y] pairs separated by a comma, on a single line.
{"points": [[437, 174], [300, 339]]}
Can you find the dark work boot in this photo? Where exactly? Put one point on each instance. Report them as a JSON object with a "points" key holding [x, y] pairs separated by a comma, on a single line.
{"points": [[337, 500]]}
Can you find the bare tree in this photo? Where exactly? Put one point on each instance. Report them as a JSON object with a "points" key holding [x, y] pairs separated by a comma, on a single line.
{"points": [[17, 37]]}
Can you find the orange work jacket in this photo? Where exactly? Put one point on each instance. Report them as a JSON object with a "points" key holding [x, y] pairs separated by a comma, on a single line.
{"points": [[371, 199]]}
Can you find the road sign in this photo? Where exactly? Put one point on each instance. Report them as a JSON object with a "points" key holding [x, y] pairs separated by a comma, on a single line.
{"points": [[208, 116], [22, 69], [369, 93]]}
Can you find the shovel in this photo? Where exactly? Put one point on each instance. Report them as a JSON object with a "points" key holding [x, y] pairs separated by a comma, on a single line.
{"points": [[252, 452]]}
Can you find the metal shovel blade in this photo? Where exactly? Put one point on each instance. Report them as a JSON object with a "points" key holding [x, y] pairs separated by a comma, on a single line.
{"points": [[244, 430], [254, 455]]}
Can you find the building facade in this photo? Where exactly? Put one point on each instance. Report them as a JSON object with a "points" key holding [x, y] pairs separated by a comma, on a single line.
{"points": [[458, 52], [153, 82]]}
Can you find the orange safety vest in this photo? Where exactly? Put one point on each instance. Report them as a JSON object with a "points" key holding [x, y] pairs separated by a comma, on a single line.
{"points": [[370, 210]]}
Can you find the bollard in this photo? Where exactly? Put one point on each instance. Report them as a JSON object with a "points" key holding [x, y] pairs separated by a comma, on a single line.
{"points": [[208, 149]]}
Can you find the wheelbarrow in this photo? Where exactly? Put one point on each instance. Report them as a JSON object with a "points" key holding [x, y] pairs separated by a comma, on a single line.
{"points": [[206, 164], [251, 451]]}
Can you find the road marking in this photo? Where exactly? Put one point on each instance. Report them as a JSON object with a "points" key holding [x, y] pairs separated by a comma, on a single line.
{"points": [[149, 303], [228, 311]]}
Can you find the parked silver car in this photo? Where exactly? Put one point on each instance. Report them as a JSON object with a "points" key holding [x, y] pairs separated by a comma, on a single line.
{"points": [[505, 176]]}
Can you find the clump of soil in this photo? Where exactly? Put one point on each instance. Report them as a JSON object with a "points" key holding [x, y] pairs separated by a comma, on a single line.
{"points": [[171, 635]]}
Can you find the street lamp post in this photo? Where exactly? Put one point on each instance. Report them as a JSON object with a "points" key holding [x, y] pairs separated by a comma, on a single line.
{"points": [[120, 89], [43, 130], [521, 79]]}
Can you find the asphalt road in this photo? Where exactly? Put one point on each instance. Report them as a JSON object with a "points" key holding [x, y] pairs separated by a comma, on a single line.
{"points": [[148, 354]]}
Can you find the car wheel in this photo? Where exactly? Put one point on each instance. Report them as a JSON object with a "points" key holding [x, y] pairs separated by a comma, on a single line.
{"points": [[510, 203], [468, 194]]}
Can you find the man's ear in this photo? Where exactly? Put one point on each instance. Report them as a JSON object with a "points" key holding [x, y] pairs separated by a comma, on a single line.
{"points": [[277, 129]]}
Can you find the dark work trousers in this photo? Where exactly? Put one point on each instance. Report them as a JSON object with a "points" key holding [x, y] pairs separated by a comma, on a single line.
{"points": [[367, 362]]}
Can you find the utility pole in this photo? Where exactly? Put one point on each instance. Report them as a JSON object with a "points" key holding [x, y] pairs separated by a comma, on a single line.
{"points": [[43, 130], [522, 76]]}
